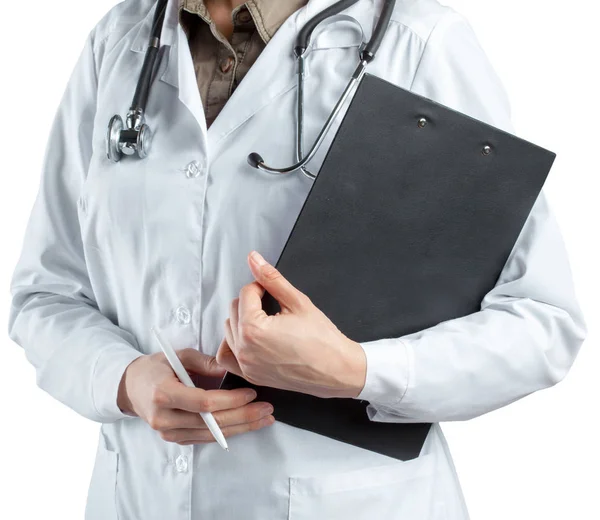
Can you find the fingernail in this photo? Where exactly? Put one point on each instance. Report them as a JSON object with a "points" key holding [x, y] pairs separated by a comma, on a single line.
{"points": [[267, 409], [258, 259], [251, 394]]}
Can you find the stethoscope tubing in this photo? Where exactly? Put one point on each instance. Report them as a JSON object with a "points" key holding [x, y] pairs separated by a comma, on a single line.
{"points": [[136, 136], [256, 161], [366, 55], [305, 34], [142, 91]]}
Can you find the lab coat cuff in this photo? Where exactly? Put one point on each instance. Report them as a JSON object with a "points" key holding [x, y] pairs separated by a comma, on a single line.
{"points": [[389, 372], [107, 375]]}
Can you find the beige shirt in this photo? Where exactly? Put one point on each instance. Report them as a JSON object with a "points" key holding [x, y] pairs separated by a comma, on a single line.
{"points": [[221, 64]]}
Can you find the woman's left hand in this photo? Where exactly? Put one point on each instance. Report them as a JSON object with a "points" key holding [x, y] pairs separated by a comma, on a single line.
{"points": [[297, 349]]}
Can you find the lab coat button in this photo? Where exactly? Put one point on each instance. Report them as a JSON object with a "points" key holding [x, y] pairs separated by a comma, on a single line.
{"points": [[182, 315], [192, 170], [181, 464]]}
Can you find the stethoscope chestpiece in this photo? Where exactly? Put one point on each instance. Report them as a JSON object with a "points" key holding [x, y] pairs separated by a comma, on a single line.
{"points": [[133, 140], [134, 137]]}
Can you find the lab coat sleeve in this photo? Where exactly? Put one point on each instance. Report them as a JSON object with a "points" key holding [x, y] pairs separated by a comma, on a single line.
{"points": [[529, 328], [79, 355]]}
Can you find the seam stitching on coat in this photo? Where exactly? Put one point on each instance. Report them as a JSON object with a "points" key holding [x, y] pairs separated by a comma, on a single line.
{"points": [[437, 24]]}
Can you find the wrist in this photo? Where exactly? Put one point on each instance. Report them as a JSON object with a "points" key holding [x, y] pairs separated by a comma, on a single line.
{"points": [[123, 401], [354, 370]]}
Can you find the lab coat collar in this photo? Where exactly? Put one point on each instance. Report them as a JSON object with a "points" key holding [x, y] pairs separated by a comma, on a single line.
{"points": [[170, 31], [171, 20], [169, 28], [363, 11], [169, 41], [262, 84]]}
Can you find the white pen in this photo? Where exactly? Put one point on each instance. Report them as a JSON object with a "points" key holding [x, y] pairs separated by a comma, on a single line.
{"points": [[185, 378]]}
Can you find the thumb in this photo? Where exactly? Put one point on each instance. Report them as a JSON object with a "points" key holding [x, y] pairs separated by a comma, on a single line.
{"points": [[200, 363], [275, 283]]}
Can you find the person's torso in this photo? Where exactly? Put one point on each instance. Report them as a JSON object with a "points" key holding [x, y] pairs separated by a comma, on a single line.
{"points": [[166, 240]]}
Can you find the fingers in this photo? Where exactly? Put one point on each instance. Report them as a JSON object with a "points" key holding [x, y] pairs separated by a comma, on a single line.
{"points": [[197, 400], [200, 363], [250, 302], [229, 337], [246, 414], [167, 419], [233, 318], [226, 357], [273, 281], [190, 436]]}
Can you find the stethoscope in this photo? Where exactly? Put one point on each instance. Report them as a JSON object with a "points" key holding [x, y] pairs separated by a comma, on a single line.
{"points": [[135, 137]]}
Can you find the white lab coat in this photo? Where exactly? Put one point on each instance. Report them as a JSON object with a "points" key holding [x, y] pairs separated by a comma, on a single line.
{"points": [[113, 249]]}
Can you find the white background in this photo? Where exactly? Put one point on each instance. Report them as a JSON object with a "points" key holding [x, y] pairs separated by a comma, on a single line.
{"points": [[538, 458]]}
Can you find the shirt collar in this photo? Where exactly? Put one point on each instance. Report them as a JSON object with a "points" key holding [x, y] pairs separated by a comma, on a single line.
{"points": [[268, 15], [171, 23]]}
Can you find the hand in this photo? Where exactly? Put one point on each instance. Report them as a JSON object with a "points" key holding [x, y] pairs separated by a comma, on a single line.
{"points": [[298, 349], [151, 390]]}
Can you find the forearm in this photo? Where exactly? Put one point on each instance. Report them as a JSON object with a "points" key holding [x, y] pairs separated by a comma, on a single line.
{"points": [[78, 354], [525, 338]]}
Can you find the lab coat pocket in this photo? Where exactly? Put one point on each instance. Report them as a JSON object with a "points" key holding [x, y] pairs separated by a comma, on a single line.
{"points": [[400, 490], [101, 499]]}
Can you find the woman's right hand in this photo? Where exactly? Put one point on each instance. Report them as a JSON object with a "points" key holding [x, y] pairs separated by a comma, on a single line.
{"points": [[151, 390]]}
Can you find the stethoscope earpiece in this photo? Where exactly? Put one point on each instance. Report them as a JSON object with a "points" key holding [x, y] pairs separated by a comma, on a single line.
{"points": [[255, 160], [366, 54]]}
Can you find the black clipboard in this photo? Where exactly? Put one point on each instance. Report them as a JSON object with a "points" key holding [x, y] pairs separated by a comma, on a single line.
{"points": [[409, 223]]}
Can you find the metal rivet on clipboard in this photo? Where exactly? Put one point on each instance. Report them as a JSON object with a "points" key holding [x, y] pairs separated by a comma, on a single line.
{"points": [[487, 150]]}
